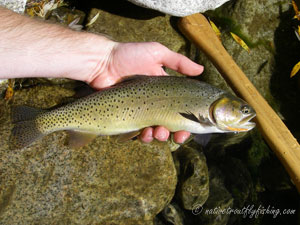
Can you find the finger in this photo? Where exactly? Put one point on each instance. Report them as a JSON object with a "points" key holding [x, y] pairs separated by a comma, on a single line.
{"points": [[181, 136], [180, 63], [101, 82], [161, 133], [147, 135]]}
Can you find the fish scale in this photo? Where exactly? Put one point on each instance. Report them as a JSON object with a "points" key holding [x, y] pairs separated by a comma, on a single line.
{"points": [[132, 105]]}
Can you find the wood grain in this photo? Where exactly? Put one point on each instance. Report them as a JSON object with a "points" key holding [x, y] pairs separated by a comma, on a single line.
{"points": [[274, 131]]}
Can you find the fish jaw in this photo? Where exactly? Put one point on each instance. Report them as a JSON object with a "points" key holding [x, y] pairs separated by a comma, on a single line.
{"points": [[244, 125], [248, 125]]}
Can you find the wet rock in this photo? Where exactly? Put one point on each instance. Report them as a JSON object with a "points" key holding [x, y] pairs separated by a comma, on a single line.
{"points": [[193, 186], [258, 152], [274, 177], [126, 29], [255, 22], [173, 214], [102, 183], [157, 221], [219, 199], [57, 81], [219, 143], [239, 183], [238, 180]]}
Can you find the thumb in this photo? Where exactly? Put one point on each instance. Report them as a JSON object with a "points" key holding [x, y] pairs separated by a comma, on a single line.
{"points": [[180, 63]]}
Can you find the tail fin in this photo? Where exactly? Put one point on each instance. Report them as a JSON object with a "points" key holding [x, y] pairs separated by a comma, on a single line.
{"points": [[24, 113], [25, 130], [23, 134]]}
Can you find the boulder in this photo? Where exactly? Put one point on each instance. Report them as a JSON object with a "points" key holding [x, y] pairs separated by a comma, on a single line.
{"points": [[193, 186], [180, 7], [101, 183]]}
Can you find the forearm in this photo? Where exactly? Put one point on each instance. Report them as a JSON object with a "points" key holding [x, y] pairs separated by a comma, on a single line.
{"points": [[32, 48]]}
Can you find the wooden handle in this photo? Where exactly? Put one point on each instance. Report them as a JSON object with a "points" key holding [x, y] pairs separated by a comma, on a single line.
{"points": [[274, 131]]}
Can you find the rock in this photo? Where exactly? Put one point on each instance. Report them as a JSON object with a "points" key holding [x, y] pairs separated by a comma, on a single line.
{"points": [[56, 81], [17, 6], [3, 85], [218, 200], [101, 183], [237, 179], [173, 214], [158, 221], [258, 152], [193, 186], [180, 7], [255, 22], [220, 142], [125, 29], [239, 183], [274, 177]]}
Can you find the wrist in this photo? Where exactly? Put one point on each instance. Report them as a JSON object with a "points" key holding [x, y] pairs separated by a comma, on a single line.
{"points": [[89, 57]]}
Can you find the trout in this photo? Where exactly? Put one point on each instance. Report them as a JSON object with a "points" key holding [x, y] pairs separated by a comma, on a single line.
{"points": [[176, 103]]}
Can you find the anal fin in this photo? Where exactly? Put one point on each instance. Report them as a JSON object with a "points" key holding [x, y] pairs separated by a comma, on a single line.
{"points": [[78, 139]]}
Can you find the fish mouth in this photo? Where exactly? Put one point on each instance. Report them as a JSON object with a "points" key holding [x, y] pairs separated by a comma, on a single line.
{"points": [[246, 123], [243, 125]]}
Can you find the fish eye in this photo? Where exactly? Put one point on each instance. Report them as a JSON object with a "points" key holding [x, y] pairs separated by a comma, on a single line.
{"points": [[245, 109]]}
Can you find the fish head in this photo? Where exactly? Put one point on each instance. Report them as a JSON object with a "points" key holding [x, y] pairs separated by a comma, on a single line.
{"points": [[232, 114]]}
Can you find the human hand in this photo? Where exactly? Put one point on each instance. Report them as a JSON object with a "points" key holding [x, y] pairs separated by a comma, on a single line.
{"points": [[147, 59]]}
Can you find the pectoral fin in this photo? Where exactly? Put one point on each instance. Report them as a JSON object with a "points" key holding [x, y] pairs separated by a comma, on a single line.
{"points": [[79, 139], [190, 116]]}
